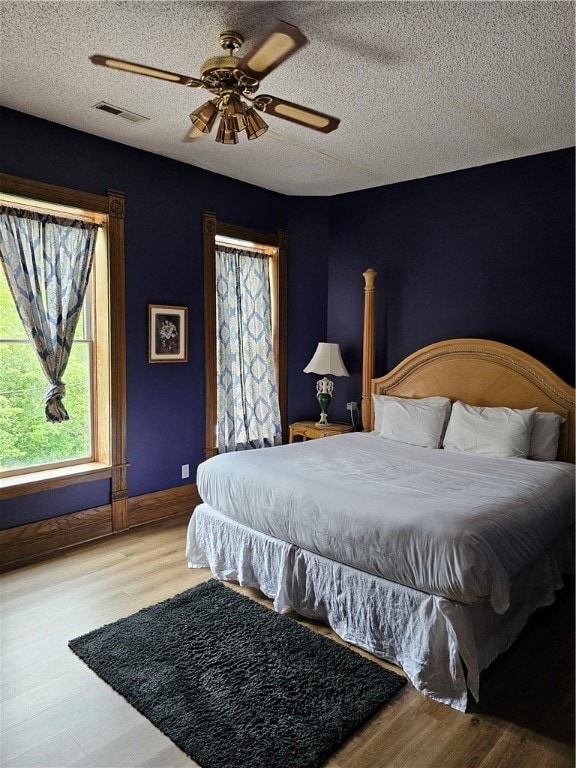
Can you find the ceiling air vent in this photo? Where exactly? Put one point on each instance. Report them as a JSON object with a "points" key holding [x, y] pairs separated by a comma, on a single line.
{"points": [[119, 112]]}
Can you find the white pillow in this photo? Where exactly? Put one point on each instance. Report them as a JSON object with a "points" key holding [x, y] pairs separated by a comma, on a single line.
{"points": [[378, 400], [491, 431], [545, 436], [417, 421]]}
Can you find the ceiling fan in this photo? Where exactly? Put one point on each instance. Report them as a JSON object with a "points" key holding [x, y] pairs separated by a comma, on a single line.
{"points": [[233, 81]]}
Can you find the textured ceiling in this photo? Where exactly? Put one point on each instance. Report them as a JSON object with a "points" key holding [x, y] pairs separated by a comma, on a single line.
{"points": [[421, 88]]}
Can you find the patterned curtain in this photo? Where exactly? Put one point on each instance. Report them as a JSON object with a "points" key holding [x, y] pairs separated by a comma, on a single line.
{"points": [[248, 408], [47, 260]]}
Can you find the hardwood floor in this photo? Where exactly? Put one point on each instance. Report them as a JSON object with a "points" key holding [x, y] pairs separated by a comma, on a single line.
{"points": [[56, 712]]}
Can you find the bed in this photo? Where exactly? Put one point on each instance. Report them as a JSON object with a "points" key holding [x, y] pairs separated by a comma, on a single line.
{"points": [[431, 559]]}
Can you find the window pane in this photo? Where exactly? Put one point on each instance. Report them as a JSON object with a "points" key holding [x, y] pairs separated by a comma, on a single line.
{"points": [[10, 324], [26, 438], [11, 327]]}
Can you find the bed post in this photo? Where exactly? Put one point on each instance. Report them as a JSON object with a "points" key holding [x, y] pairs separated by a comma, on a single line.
{"points": [[368, 349]]}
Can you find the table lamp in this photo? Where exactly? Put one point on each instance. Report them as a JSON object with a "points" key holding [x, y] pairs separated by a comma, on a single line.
{"points": [[326, 360]]}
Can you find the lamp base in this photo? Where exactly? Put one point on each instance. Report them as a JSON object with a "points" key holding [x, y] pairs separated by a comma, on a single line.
{"points": [[324, 399]]}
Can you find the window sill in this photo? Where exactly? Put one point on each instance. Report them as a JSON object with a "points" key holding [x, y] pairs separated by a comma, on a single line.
{"points": [[35, 482]]}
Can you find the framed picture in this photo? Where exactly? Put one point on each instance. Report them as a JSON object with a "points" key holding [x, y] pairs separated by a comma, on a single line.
{"points": [[167, 334]]}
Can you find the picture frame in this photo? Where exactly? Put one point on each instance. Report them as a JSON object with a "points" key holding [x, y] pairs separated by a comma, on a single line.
{"points": [[167, 334]]}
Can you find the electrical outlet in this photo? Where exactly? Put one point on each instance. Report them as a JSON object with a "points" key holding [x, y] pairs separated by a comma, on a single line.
{"points": [[185, 471], [352, 406]]}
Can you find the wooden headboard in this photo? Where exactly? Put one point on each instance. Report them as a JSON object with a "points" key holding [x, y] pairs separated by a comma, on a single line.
{"points": [[475, 371]]}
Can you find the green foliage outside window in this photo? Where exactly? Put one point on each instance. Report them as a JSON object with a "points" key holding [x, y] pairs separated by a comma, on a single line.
{"points": [[26, 438]]}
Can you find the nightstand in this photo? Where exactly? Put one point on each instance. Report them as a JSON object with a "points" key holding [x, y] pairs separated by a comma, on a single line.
{"points": [[308, 430]]}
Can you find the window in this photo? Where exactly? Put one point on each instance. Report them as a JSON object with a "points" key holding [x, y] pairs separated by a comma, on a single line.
{"points": [[273, 247], [28, 441], [248, 411], [95, 447]]}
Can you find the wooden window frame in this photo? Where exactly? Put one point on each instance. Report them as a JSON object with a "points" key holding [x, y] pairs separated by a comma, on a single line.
{"points": [[211, 229], [110, 395]]}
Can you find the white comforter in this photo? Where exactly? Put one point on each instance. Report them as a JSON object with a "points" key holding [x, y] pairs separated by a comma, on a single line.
{"points": [[451, 524]]}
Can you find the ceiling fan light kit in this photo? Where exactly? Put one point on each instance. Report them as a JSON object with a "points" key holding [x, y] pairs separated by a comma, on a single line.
{"points": [[234, 82], [235, 117]]}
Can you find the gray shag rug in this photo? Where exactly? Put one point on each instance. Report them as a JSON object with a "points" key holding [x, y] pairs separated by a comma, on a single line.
{"points": [[235, 685]]}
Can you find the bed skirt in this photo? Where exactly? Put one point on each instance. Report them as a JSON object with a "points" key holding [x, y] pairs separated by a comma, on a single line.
{"points": [[442, 646]]}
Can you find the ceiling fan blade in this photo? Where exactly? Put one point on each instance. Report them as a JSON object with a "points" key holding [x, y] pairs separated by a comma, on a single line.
{"points": [[193, 134], [283, 41], [141, 69], [287, 110]]}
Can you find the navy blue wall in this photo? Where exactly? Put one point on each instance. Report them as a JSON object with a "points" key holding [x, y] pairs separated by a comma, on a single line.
{"points": [[308, 259], [486, 252], [164, 264]]}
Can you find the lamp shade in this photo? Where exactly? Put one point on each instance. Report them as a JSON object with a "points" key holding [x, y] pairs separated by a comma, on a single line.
{"points": [[204, 117], [255, 125], [327, 360], [226, 133]]}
